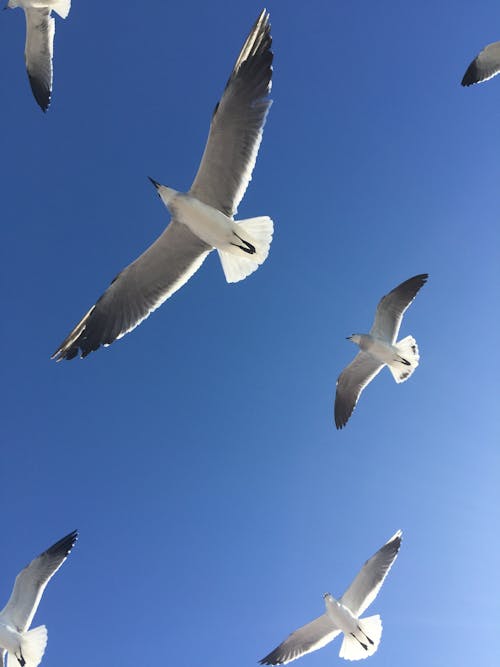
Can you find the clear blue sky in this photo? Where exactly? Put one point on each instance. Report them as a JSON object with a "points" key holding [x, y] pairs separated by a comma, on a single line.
{"points": [[216, 501]]}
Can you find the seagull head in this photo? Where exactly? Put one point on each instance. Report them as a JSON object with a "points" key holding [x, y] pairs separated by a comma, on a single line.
{"points": [[355, 338], [327, 596], [165, 194]]}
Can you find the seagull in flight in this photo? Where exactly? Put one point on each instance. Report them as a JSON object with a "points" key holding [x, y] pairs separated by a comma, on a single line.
{"points": [[201, 219], [485, 66], [379, 349], [39, 50], [361, 635], [22, 645]]}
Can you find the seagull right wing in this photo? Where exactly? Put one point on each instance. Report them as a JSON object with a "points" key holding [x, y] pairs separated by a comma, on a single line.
{"points": [[392, 307], [138, 290], [308, 638], [40, 29], [367, 583], [31, 582], [237, 125], [485, 66], [351, 383]]}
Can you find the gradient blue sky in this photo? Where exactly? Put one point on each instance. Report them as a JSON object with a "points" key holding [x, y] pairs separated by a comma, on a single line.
{"points": [[216, 501]]}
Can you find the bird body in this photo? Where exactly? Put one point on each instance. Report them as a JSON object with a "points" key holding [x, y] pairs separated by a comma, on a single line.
{"points": [[379, 348], [202, 218], [361, 634], [16, 639]]}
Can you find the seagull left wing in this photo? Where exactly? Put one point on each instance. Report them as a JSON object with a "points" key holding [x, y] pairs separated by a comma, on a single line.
{"points": [[237, 125], [485, 66], [392, 307], [40, 29], [138, 290], [308, 638], [367, 583], [30, 583], [351, 383]]}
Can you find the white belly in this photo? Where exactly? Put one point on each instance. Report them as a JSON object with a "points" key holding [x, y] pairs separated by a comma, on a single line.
{"points": [[209, 224], [10, 639], [342, 617], [380, 349]]}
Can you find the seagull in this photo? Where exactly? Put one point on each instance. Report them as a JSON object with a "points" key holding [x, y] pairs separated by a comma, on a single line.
{"points": [[379, 348], [361, 635], [28, 646], [485, 66], [202, 219], [39, 49]]}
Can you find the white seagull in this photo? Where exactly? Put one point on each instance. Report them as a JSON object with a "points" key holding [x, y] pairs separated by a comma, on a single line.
{"points": [[361, 635], [379, 348], [485, 66], [27, 646], [39, 50], [202, 219]]}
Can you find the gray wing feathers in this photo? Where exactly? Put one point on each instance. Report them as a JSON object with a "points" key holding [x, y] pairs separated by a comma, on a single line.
{"points": [[366, 585], [40, 29], [351, 383], [237, 124], [138, 290], [30, 583], [392, 306], [306, 639], [484, 66]]}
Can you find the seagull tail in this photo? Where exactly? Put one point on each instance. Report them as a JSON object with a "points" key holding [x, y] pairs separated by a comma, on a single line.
{"points": [[62, 7], [33, 645], [364, 642], [253, 239], [407, 359]]}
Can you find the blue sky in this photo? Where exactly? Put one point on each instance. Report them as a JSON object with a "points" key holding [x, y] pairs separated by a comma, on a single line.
{"points": [[216, 501]]}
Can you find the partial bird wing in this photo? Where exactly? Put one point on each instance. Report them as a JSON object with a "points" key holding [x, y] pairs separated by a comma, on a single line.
{"points": [[308, 638], [367, 583], [30, 583], [237, 124], [3, 654], [392, 307], [351, 383], [138, 290], [40, 30], [485, 66]]}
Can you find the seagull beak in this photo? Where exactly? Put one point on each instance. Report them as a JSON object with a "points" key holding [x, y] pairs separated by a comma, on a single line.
{"points": [[155, 183], [348, 338]]}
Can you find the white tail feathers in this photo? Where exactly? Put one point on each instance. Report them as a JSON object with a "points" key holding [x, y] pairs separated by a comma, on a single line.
{"points": [[33, 645], [238, 263], [61, 7], [408, 356], [365, 641]]}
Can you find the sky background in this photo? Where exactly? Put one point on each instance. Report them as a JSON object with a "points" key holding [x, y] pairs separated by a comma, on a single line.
{"points": [[197, 456]]}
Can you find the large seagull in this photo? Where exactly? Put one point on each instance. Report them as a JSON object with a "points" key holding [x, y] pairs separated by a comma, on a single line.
{"points": [[202, 218], [361, 635], [39, 50], [20, 644], [379, 348]]}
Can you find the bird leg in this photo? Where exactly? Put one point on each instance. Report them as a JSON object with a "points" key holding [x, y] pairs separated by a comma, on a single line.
{"points": [[20, 659], [246, 247], [359, 641], [364, 633]]}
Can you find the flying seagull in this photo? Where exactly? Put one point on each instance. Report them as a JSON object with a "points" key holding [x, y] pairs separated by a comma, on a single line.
{"points": [[39, 49], [485, 66], [361, 635], [22, 645], [202, 219], [379, 348]]}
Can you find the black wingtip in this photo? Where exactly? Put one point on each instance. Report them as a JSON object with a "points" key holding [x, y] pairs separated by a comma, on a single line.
{"points": [[155, 183], [64, 545]]}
